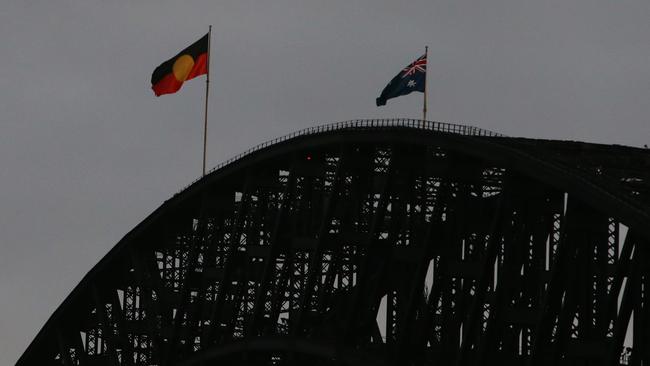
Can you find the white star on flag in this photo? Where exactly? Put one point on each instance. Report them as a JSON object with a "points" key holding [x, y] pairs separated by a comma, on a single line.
{"points": [[411, 83]]}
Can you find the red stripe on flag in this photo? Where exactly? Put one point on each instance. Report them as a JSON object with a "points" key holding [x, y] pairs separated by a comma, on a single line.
{"points": [[200, 67], [167, 85]]}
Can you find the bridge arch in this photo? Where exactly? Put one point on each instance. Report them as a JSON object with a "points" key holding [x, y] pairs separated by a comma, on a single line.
{"points": [[467, 236]]}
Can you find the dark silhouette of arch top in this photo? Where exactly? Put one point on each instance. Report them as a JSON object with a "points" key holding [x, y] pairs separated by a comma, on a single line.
{"points": [[379, 242]]}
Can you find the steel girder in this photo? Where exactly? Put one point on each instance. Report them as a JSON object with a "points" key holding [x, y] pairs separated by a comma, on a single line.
{"points": [[387, 245]]}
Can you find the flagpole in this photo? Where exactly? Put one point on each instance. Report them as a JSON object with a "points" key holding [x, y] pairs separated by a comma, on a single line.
{"points": [[424, 107], [207, 93]]}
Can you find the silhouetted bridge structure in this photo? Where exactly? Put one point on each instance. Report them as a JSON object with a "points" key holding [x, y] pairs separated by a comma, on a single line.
{"points": [[383, 242]]}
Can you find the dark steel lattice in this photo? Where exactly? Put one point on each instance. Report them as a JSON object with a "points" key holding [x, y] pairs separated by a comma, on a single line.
{"points": [[379, 243]]}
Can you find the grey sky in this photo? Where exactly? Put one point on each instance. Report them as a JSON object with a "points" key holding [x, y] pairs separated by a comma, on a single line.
{"points": [[87, 151]]}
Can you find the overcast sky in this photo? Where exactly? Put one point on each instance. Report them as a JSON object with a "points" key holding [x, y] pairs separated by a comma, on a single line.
{"points": [[87, 151]]}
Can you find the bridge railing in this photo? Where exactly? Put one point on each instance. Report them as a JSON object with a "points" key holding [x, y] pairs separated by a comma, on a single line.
{"points": [[363, 124], [366, 124]]}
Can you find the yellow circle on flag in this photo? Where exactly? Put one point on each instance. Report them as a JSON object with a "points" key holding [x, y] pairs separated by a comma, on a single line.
{"points": [[182, 67]]}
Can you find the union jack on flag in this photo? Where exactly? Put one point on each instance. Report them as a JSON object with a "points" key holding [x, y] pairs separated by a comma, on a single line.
{"points": [[419, 65], [411, 78]]}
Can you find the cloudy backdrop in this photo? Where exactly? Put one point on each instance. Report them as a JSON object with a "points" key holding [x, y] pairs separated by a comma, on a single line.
{"points": [[87, 151]]}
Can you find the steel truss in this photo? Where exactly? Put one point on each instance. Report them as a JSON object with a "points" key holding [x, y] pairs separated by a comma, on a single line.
{"points": [[379, 245]]}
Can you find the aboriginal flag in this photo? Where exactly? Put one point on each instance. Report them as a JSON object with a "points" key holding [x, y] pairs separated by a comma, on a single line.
{"points": [[188, 64]]}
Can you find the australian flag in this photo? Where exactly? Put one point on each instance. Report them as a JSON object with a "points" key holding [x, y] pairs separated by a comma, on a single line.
{"points": [[411, 79]]}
